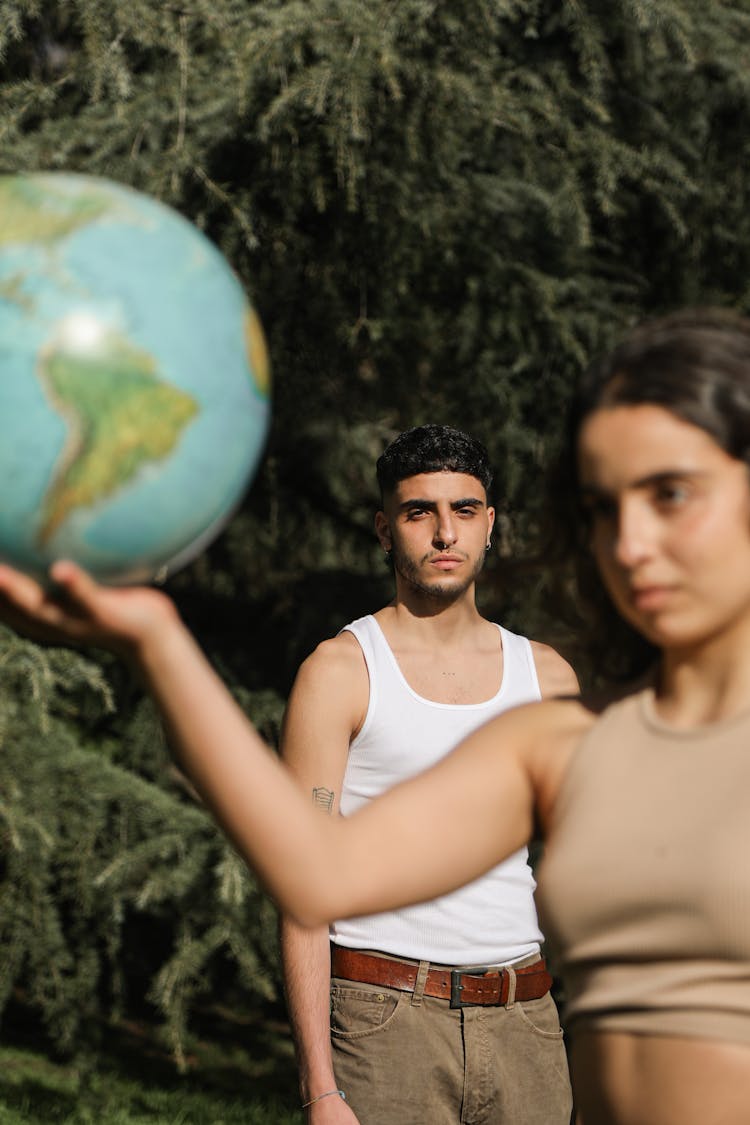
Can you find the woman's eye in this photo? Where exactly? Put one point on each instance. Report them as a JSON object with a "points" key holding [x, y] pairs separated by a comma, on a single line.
{"points": [[671, 494]]}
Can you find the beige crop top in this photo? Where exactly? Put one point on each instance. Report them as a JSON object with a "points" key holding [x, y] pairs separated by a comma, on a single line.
{"points": [[644, 889]]}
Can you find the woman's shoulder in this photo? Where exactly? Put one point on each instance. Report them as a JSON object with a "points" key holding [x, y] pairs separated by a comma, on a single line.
{"points": [[580, 710], [547, 734], [557, 730]]}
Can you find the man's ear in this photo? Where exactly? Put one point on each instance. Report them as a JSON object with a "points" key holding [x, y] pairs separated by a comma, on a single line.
{"points": [[383, 531], [490, 521]]}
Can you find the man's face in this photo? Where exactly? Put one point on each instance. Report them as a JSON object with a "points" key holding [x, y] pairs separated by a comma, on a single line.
{"points": [[436, 527]]}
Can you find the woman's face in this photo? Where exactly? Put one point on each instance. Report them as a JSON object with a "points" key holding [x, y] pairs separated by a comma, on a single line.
{"points": [[670, 524]]}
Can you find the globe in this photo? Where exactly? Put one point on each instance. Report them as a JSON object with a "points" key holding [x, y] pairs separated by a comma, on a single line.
{"points": [[134, 381]]}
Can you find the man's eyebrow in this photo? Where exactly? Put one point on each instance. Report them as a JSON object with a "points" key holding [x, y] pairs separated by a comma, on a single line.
{"points": [[467, 502], [431, 505]]}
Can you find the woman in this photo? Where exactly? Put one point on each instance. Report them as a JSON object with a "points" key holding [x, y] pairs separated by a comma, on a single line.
{"points": [[643, 803]]}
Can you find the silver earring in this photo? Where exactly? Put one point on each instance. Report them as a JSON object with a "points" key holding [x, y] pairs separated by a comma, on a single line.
{"points": [[489, 544]]}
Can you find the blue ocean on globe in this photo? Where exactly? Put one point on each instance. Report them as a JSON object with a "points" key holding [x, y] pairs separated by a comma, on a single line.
{"points": [[134, 381]]}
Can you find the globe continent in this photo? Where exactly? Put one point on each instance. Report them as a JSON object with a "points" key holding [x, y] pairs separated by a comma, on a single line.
{"points": [[134, 397]]}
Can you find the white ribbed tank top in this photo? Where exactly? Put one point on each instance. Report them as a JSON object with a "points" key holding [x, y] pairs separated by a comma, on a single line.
{"points": [[491, 920]]}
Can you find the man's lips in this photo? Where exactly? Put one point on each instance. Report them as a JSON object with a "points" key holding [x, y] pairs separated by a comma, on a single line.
{"points": [[446, 562]]}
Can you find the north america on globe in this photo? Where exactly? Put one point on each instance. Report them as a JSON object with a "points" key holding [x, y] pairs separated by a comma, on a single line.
{"points": [[23, 221]]}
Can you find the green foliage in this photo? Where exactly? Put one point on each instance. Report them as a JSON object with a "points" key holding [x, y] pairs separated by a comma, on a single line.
{"points": [[113, 884], [441, 211]]}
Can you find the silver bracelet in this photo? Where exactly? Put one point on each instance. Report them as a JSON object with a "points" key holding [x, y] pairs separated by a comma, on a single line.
{"points": [[328, 1094]]}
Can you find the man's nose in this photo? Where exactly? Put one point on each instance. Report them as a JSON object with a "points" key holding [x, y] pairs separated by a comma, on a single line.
{"points": [[445, 532]]}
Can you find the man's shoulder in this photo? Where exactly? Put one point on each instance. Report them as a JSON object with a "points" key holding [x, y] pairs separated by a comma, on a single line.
{"points": [[335, 656], [556, 676], [331, 686]]}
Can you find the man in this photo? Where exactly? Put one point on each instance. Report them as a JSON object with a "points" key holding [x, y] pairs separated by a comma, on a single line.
{"points": [[387, 1032]]}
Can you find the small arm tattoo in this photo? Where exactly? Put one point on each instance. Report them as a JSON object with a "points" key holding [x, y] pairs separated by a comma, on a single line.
{"points": [[323, 798]]}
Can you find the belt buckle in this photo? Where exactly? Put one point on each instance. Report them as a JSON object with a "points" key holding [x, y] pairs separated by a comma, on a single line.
{"points": [[457, 987]]}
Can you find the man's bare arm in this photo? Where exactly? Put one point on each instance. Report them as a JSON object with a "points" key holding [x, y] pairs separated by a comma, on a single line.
{"points": [[326, 706]]}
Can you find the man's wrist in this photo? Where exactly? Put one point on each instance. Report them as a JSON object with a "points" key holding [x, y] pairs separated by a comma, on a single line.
{"points": [[316, 1080], [313, 1083], [326, 1094]]}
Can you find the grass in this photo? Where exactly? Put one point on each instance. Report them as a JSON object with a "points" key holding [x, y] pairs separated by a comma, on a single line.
{"points": [[240, 1073]]}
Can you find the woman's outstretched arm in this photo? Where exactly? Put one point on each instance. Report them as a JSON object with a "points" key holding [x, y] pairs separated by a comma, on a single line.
{"points": [[425, 837]]}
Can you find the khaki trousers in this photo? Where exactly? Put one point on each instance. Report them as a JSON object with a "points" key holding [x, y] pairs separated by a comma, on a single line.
{"points": [[406, 1059]]}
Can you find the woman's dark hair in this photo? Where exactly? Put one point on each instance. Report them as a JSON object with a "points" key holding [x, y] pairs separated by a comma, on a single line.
{"points": [[432, 449], [694, 363]]}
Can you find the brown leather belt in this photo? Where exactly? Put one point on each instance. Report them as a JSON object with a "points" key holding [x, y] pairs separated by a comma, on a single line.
{"points": [[488, 986]]}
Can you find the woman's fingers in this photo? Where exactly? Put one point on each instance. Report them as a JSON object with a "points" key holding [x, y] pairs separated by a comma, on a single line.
{"points": [[74, 609], [29, 608], [77, 590], [78, 610], [22, 593]]}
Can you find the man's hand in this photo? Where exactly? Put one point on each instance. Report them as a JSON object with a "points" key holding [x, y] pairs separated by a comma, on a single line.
{"points": [[77, 610]]}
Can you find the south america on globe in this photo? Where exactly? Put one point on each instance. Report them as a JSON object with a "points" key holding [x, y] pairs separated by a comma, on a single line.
{"points": [[134, 381]]}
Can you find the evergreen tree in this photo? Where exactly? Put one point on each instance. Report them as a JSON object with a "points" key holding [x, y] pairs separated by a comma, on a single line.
{"points": [[441, 211], [116, 889]]}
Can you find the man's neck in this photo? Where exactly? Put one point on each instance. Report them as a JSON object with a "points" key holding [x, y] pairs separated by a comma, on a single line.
{"points": [[431, 618]]}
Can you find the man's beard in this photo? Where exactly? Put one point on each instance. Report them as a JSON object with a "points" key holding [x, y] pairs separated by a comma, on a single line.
{"points": [[409, 572]]}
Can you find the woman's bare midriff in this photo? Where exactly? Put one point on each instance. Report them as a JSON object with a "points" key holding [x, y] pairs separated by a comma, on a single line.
{"points": [[625, 1079]]}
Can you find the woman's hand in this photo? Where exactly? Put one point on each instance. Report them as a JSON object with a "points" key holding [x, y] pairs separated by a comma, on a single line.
{"points": [[77, 610]]}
